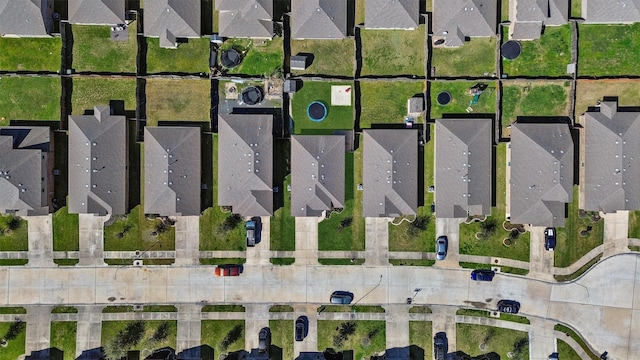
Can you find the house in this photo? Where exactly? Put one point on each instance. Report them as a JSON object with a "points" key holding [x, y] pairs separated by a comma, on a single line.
{"points": [[245, 18], [98, 163], [318, 19], [610, 143], [245, 163], [397, 14], [96, 12], [172, 171], [24, 170], [529, 16], [463, 167], [317, 174], [541, 173], [456, 20], [20, 18], [390, 172], [610, 11], [171, 20]]}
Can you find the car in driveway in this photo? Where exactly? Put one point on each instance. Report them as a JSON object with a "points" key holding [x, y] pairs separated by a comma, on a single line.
{"points": [[251, 233], [441, 247], [482, 275], [229, 270], [440, 345], [508, 306], [302, 327], [264, 340], [341, 297], [549, 238]]}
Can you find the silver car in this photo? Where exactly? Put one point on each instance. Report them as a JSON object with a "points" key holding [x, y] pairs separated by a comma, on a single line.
{"points": [[441, 247]]}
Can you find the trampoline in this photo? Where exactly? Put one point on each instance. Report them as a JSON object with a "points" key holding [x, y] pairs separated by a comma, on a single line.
{"points": [[511, 50], [230, 58], [316, 111], [252, 95], [444, 98]]}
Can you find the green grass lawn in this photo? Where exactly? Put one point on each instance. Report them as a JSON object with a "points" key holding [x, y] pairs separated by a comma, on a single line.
{"points": [[214, 332], [177, 99], [497, 340], [213, 237], [89, 92], [63, 337], [223, 308], [110, 330], [331, 57], [12, 310], [460, 99], [600, 56], [421, 339], [134, 232], [13, 239], [338, 117], [331, 236], [475, 58], [576, 8], [571, 246], [359, 12], [283, 225], [66, 231], [588, 92], [29, 98], [93, 49], [190, 57], [369, 337], [547, 56], [262, 57], [492, 246], [281, 339], [567, 351], [487, 314], [393, 52], [385, 102], [634, 224], [578, 339], [504, 11], [534, 99], [34, 54], [15, 347]]}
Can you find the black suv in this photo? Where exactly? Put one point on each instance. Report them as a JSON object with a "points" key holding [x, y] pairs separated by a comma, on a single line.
{"points": [[440, 346], [549, 238], [301, 327], [508, 306], [264, 340]]}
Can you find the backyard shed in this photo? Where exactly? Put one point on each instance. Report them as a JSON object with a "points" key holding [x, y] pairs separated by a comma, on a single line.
{"points": [[299, 62]]}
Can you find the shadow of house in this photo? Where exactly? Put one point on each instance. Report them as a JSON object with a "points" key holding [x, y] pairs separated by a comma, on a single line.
{"points": [[46, 354], [165, 353], [91, 354]]}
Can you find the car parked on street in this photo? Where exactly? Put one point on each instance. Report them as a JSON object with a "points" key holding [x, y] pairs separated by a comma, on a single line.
{"points": [[482, 275], [508, 306], [264, 340], [549, 238], [441, 247], [341, 297], [440, 345], [302, 327], [229, 270]]}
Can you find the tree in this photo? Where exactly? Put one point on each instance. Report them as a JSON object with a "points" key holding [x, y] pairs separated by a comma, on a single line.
{"points": [[231, 222], [345, 223], [132, 333], [232, 336], [488, 227], [15, 329], [419, 224], [518, 348], [514, 234], [161, 333], [113, 349]]}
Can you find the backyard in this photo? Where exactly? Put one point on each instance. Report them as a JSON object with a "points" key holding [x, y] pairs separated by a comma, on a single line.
{"points": [[547, 56], [475, 58], [89, 92], [364, 338], [338, 117], [93, 50], [393, 52], [385, 102], [222, 336], [30, 54], [330, 57], [596, 49], [143, 336], [472, 338], [178, 99], [63, 338], [29, 98], [260, 57], [534, 99], [588, 92], [461, 100], [191, 57]]}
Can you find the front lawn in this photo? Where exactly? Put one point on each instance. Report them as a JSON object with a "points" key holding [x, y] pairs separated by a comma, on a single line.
{"points": [[190, 57], [338, 117], [331, 57], [283, 225], [461, 100], [111, 329], [261, 57], [420, 339], [366, 338], [385, 102], [547, 56], [15, 348], [634, 224], [32, 54], [588, 92], [393, 52], [213, 236], [89, 92], [534, 99], [93, 50], [498, 340], [13, 233], [609, 50], [63, 338], [178, 99], [137, 232], [567, 351], [66, 231], [475, 58], [281, 339], [223, 336], [29, 98]]}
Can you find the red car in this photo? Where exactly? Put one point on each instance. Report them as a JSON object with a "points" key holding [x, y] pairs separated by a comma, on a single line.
{"points": [[228, 270]]}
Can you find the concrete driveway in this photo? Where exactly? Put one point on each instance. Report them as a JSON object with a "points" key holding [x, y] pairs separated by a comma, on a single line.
{"points": [[188, 240], [40, 234], [306, 241], [310, 342], [616, 228], [541, 260], [451, 229], [376, 241], [261, 253], [92, 239]]}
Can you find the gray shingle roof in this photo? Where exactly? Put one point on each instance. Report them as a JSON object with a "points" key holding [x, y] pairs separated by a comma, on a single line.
{"points": [[172, 171], [170, 19], [98, 158], [391, 14], [245, 18], [319, 19], [530, 15], [97, 12], [390, 172], [23, 170], [471, 17], [31, 18], [245, 163], [525, 30], [611, 11], [317, 174], [612, 144], [541, 173], [463, 167]]}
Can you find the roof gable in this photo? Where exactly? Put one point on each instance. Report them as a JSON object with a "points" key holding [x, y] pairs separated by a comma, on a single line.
{"points": [[245, 18], [26, 17], [97, 12], [394, 14], [319, 19], [170, 19]]}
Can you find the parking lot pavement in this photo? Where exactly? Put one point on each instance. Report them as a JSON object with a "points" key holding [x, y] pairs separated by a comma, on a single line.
{"points": [[306, 241], [310, 342], [40, 235], [261, 253], [397, 324], [542, 340], [450, 228], [92, 240], [187, 240], [189, 330], [444, 320], [616, 227], [38, 321], [540, 260], [376, 241], [256, 318]]}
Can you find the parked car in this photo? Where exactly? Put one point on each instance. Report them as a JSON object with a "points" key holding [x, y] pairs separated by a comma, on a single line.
{"points": [[441, 247], [229, 270], [440, 345], [554, 356], [251, 233], [482, 275], [341, 297], [264, 340], [508, 306], [550, 238], [302, 326]]}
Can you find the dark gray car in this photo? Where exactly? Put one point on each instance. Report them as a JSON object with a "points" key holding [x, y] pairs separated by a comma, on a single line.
{"points": [[264, 340], [341, 297]]}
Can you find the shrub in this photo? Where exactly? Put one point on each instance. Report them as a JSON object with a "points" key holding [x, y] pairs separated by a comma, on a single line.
{"points": [[419, 224]]}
